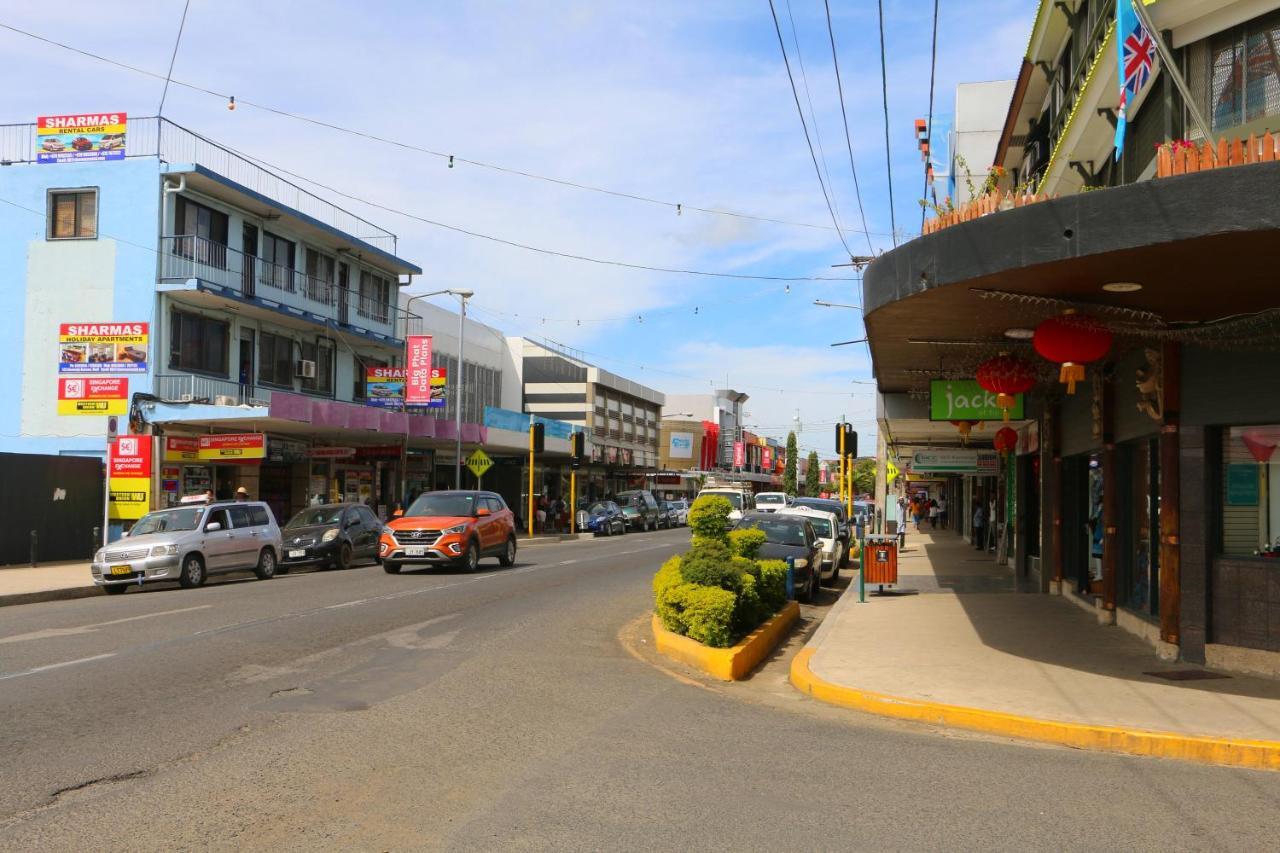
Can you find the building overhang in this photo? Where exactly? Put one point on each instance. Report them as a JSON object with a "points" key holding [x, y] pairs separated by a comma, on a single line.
{"points": [[1202, 246]]}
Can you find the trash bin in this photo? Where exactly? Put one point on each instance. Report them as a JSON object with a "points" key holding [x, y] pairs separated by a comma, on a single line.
{"points": [[880, 559]]}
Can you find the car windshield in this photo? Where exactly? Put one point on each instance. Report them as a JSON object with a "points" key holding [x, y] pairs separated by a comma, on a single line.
{"points": [[599, 509], [780, 531], [173, 519], [821, 526], [734, 498], [770, 499], [316, 515], [443, 505]]}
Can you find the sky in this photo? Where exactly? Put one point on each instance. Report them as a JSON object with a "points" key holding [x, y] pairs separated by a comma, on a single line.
{"points": [[684, 102]]}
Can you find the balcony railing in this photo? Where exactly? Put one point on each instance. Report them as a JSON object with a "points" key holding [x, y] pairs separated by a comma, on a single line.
{"points": [[1180, 158], [172, 143], [185, 257], [981, 206], [187, 387]]}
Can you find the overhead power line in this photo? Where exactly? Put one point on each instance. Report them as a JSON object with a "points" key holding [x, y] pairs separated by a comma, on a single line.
{"points": [[805, 127], [884, 91], [857, 190], [813, 114], [451, 159], [164, 93], [928, 128]]}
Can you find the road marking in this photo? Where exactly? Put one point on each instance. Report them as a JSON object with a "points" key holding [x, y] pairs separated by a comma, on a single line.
{"points": [[48, 633], [566, 562], [50, 666]]}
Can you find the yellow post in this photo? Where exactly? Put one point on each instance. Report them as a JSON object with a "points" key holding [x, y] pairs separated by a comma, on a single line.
{"points": [[841, 450], [849, 491], [573, 501], [531, 516]]}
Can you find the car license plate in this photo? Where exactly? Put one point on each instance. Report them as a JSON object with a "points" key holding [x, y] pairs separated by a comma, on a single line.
{"points": [[122, 570], [293, 555], [415, 550]]}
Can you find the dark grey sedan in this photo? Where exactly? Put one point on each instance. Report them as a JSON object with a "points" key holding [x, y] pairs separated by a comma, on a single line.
{"points": [[790, 537]]}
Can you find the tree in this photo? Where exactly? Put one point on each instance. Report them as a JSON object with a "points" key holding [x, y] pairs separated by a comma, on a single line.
{"points": [[789, 472], [811, 484], [864, 476]]}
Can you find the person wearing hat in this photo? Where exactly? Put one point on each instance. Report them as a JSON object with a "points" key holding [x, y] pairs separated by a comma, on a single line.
{"points": [[242, 494]]}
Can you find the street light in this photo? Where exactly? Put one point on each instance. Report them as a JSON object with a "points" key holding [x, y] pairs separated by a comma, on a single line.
{"points": [[463, 295], [678, 415], [826, 304]]}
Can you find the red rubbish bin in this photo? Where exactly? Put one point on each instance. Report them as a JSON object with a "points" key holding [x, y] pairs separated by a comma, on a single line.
{"points": [[880, 559]]}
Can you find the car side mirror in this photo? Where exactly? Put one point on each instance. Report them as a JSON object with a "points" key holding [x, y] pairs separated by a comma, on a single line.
{"points": [[482, 511], [213, 527], [398, 513]]}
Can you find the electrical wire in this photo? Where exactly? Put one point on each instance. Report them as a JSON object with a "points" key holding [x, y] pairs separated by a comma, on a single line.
{"points": [[679, 207], [813, 114], [884, 91], [164, 93], [857, 190], [805, 127], [933, 66]]}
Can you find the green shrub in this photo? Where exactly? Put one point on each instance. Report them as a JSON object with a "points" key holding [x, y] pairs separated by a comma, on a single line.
{"points": [[746, 542], [709, 518], [710, 564], [772, 588], [707, 613], [664, 582], [748, 610]]}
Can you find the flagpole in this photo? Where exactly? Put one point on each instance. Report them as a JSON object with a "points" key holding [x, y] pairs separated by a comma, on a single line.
{"points": [[1171, 68]]}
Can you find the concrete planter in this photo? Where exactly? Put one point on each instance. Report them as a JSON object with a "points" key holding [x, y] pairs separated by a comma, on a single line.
{"points": [[734, 663]]}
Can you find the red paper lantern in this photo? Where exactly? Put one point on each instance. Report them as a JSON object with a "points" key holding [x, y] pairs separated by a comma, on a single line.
{"points": [[1005, 375], [1072, 340], [965, 427], [1005, 441]]}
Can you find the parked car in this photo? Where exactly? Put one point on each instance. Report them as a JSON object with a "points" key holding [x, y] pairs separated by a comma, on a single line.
{"points": [[741, 499], [640, 508], [827, 527], [457, 528], [605, 518], [846, 533], [333, 535], [790, 537], [189, 543], [678, 512], [772, 501]]}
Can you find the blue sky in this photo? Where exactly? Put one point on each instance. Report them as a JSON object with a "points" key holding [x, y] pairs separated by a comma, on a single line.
{"points": [[684, 101]]}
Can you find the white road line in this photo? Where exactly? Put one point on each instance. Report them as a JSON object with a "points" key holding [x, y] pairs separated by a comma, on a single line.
{"points": [[50, 666], [48, 633]]}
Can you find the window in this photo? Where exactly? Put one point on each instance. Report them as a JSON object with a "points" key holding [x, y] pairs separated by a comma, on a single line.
{"points": [[375, 297], [258, 516], [73, 214], [240, 517], [321, 352], [198, 343], [1244, 73], [1250, 491], [320, 277], [275, 360], [202, 233], [277, 261], [367, 516], [218, 516]]}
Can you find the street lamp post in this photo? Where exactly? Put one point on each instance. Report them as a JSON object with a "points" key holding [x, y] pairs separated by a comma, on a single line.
{"points": [[460, 380]]}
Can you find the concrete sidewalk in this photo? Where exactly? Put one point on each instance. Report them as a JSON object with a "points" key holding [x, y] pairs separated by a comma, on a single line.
{"points": [[971, 652], [47, 582]]}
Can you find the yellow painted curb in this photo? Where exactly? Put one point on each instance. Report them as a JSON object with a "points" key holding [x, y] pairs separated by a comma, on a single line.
{"points": [[731, 664], [1257, 754]]}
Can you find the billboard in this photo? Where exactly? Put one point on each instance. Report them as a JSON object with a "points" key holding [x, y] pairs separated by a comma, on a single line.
{"points": [[93, 395], [680, 445], [417, 380], [385, 387], [129, 469], [75, 139], [102, 347]]}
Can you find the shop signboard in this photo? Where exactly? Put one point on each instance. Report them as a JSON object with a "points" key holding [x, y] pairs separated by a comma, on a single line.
{"points": [[234, 447], [129, 477], [766, 459], [75, 139], [385, 387], [93, 395], [331, 452], [179, 449], [955, 461], [102, 347], [739, 454], [285, 450], [1242, 485], [380, 452], [680, 445], [417, 360], [966, 400]]}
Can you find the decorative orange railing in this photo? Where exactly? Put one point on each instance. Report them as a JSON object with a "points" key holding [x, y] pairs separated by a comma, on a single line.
{"points": [[981, 206], [1182, 157]]}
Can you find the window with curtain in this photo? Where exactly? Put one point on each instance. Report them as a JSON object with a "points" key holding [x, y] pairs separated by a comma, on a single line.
{"points": [[197, 343], [73, 214], [275, 360], [321, 352], [202, 233], [1244, 72]]}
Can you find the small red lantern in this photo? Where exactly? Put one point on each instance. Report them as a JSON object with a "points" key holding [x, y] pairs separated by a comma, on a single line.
{"points": [[1072, 340], [1005, 375], [1005, 441], [965, 427]]}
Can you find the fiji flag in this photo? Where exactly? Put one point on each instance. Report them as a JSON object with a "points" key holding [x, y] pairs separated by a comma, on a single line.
{"points": [[1135, 51]]}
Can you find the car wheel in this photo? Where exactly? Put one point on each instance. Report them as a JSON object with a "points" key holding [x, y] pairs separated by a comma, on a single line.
{"points": [[835, 575], [115, 588], [266, 568], [193, 573], [471, 560], [344, 556], [390, 567], [508, 557]]}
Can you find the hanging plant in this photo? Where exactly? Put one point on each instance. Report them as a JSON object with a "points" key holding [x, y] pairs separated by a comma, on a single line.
{"points": [[1072, 340], [1006, 376]]}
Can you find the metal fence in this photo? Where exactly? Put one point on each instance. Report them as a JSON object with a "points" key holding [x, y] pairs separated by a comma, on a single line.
{"points": [[189, 388]]}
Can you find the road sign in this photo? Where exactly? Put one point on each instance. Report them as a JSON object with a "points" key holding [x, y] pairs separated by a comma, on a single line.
{"points": [[479, 462]]}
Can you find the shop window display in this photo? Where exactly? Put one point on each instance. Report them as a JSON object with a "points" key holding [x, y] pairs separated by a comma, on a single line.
{"points": [[1250, 482]]}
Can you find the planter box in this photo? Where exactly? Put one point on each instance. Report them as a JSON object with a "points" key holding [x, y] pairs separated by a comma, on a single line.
{"points": [[734, 663]]}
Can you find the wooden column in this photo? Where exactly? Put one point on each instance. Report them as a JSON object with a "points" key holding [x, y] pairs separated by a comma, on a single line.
{"points": [[1053, 492], [1170, 499], [1110, 492]]}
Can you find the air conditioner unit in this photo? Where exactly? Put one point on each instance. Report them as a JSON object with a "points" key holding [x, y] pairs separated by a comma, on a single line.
{"points": [[305, 369], [187, 398], [225, 400]]}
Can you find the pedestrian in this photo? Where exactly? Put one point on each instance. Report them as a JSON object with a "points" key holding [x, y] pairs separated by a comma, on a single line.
{"points": [[208, 496], [917, 512], [933, 515], [541, 515], [979, 526], [242, 494], [942, 511]]}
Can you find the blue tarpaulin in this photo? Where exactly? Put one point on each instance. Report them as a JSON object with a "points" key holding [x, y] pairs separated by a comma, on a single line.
{"points": [[496, 418]]}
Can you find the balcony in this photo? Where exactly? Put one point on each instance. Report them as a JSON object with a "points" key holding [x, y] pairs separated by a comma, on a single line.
{"points": [[189, 388], [234, 274]]}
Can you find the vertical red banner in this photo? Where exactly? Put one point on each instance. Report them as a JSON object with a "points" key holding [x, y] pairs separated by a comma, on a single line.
{"points": [[739, 454], [417, 360], [766, 460]]}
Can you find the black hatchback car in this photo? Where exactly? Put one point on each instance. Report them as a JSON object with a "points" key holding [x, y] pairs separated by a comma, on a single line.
{"points": [[332, 535], [790, 537]]}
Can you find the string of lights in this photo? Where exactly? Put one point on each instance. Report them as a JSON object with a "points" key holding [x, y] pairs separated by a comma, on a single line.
{"points": [[451, 160]]}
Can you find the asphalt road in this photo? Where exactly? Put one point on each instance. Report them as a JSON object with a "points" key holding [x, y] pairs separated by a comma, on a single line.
{"points": [[513, 708]]}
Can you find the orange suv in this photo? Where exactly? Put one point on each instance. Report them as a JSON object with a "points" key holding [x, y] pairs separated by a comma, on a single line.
{"points": [[454, 528]]}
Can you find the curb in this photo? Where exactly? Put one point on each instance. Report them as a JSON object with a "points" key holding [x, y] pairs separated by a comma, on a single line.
{"points": [[1255, 754], [734, 663], [546, 540], [49, 595]]}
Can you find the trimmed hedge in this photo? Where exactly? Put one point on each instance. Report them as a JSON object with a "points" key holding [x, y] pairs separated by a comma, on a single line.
{"points": [[709, 518], [702, 613], [747, 542]]}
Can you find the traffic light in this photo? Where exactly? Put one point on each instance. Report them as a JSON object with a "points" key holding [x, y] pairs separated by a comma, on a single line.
{"points": [[840, 432], [579, 445], [850, 441], [539, 437]]}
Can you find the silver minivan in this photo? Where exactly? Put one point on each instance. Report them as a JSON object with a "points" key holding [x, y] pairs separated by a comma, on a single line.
{"points": [[189, 543]]}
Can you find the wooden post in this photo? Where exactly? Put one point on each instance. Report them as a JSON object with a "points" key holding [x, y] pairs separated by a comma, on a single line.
{"points": [[1110, 493], [1170, 499], [1054, 493]]}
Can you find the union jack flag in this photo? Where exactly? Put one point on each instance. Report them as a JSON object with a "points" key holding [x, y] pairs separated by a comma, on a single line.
{"points": [[1135, 51]]}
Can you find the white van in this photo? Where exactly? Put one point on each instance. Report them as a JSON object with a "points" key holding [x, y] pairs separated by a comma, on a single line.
{"points": [[740, 499]]}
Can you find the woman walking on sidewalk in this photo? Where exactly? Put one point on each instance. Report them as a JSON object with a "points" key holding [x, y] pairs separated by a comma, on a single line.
{"points": [[979, 524], [933, 515]]}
